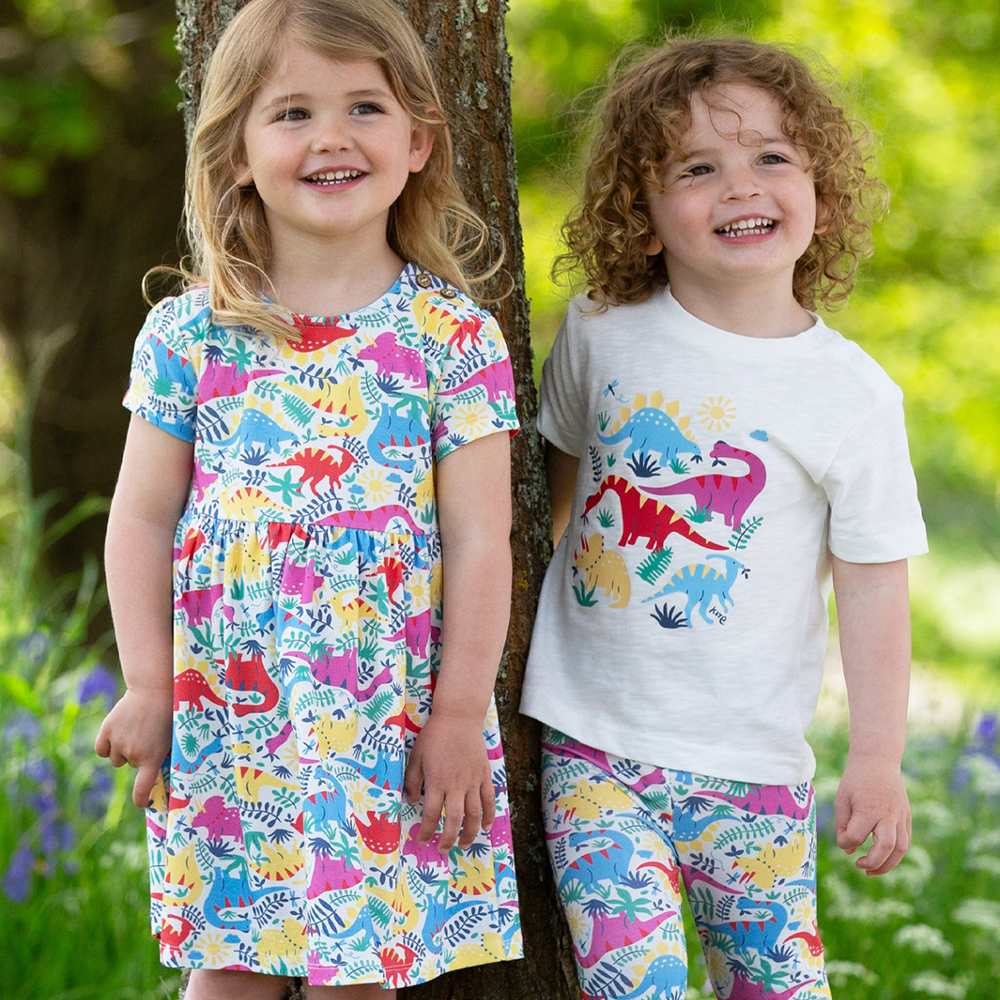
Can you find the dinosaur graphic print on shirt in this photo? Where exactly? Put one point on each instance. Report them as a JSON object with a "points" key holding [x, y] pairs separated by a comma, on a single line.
{"points": [[652, 489]]}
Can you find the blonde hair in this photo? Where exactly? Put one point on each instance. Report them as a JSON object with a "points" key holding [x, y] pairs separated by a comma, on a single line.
{"points": [[641, 120], [230, 245]]}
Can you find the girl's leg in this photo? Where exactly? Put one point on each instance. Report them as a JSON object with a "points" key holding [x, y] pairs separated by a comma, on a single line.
{"points": [[616, 873], [748, 857], [368, 991], [222, 984]]}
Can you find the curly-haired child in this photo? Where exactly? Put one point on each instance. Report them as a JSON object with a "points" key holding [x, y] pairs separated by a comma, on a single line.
{"points": [[716, 453]]}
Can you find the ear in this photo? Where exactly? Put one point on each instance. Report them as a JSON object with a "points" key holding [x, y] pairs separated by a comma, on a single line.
{"points": [[421, 144], [654, 246]]}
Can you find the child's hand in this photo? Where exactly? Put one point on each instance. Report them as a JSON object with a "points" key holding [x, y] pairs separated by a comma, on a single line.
{"points": [[137, 732], [449, 760], [872, 799]]}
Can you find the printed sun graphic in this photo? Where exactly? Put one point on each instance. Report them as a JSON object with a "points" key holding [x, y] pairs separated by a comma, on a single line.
{"points": [[716, 413]]}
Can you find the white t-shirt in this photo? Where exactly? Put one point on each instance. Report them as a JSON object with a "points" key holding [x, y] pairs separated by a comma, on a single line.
{"points": [[683, 618]]}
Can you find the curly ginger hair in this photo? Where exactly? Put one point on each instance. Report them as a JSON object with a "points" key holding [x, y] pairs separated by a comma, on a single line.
{"points": [[641, 121]]}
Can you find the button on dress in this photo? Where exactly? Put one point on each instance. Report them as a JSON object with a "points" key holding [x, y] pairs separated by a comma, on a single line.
{"points": [[307, 630]]}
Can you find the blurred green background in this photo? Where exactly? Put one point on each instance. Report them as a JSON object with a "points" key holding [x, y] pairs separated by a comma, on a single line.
{"points": [[91, 155]]}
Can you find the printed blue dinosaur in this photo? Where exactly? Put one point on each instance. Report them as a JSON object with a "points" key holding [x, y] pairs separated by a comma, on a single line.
{"points": [[666, 976], [258, 428], [651, 430], [595, 866]]}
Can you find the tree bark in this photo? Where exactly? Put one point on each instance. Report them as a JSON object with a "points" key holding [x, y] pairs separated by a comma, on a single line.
{"points": [[467, 45]]}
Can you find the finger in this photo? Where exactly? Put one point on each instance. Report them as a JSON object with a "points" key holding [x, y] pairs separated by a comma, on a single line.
{"points": [[414, 778], [433, 801], [453, 810], [856, 831], [473, 819], [883, 844], [143, 785], [102, 745], [887, 866], [489, 800], [118, 759]]}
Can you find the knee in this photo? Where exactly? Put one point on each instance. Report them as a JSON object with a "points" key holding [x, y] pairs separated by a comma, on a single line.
{"points": [[223, 984]]}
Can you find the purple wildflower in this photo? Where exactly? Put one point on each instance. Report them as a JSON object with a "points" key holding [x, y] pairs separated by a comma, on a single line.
{"points": [[35, 646], [94, 799], [99, 683], [40, 770], [57, 836], [986, 732], [23, 726], [17, 880]]}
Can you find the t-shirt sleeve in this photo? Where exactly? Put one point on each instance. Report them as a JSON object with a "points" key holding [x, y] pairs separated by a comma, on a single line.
{"points": [[473, 393], [874, 511], [162, 380], [561, 405]]}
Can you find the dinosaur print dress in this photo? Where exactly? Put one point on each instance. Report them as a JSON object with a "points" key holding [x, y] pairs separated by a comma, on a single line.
{"points": [[307, 616]]}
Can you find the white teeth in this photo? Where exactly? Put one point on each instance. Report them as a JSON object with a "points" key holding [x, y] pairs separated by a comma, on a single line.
{"points": [[747, 227], [335, 176]]}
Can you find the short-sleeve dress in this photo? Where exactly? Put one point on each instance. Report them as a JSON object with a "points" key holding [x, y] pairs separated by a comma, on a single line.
{"points": [[307, 633]]}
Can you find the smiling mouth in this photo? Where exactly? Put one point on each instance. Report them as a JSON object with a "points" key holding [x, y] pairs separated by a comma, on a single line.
{"points": [[332, 178], [747, 227]]}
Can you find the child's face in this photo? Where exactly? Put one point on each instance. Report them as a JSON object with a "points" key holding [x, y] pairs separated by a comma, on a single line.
{"points": [[329, 149], [738, 204]]}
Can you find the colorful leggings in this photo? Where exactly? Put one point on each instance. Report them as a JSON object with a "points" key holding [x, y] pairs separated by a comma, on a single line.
{"points": [[622, 836]]}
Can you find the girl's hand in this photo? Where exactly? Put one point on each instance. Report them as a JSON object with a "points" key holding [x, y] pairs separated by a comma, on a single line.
{"points": [[449, 760], [137, 732], [872, 799]]}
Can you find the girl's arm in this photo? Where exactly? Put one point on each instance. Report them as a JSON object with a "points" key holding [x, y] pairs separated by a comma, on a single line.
{"points": [[449, 756], [561, 471], [874, 618], [149, 497]]}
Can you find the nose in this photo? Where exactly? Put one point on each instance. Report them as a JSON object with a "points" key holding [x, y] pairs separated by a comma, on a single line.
{"points": [[741, 184], [330, 136]]}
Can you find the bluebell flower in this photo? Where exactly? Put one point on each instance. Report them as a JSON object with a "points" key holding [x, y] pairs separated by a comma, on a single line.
{"points": [[35, 647], [17, 880], [23, 726], [99, 683], [94, 799], [986, 732], [40, 770], [57, 837]]}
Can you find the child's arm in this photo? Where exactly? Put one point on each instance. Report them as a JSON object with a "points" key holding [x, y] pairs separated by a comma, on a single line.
{"points": [[149, 497], [449, 756], [561, 471], [874, 616]]}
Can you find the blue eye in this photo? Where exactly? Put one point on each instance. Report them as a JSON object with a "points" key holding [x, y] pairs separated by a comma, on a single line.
{"points": [[699, 170], [366, 108], [773, 158], [292, 115]]}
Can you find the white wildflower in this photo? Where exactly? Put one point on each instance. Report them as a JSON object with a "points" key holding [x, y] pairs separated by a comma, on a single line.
{"points": [[984, 775], [933, 984], [933, 818], [839, 972], [986, 863], [988, 840], [923, 938], [981, 913]]}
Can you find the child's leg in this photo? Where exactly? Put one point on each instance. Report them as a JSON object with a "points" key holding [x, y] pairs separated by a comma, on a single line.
{"points": [[223, 984], [368, 991], [748, 858], [616, 873]]}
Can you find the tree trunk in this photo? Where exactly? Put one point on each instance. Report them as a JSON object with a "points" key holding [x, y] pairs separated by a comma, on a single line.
{"points": [[468, 48]]}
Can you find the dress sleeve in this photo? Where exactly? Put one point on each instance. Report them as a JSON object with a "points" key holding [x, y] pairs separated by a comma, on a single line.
{"points": [[162, 381], [874, 511], [473, 392], [561, 405]]}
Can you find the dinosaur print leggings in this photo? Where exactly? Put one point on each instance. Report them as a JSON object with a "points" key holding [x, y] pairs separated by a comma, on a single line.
{"points": [[623, 835]]}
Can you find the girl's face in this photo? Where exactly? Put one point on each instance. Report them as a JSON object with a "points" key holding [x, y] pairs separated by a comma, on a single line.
{"points": [[738, 203], [329, 149]]}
